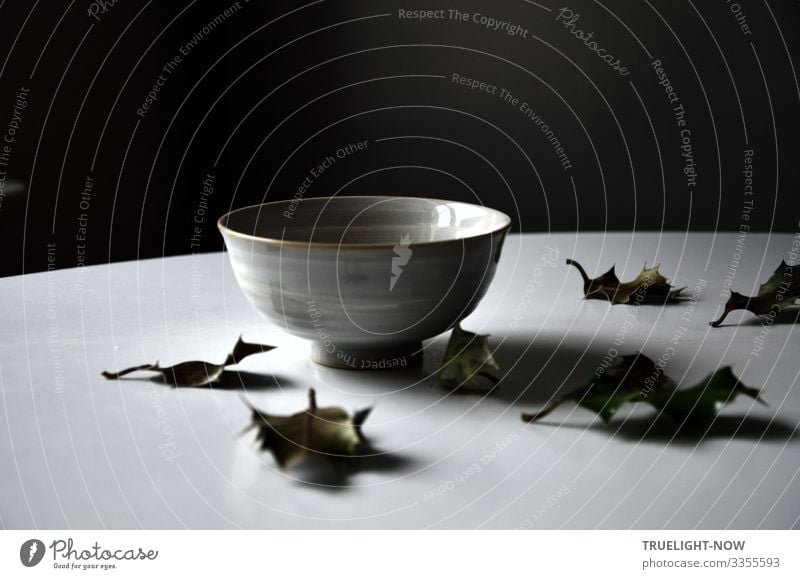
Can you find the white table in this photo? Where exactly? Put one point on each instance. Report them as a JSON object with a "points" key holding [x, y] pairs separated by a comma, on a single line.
{"points": [[79, 451]]}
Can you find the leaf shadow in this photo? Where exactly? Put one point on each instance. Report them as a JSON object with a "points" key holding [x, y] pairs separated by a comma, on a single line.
{"points": [[660, 429], [240, 380], [233, 380], [533, 370], [726, 426], [648, 300], [324, 476], [787, 316]]}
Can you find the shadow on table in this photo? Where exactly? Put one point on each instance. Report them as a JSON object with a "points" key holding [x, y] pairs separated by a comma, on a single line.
{"points": [[233, 380], [533, 370], [651, 428], [731, 427], [785, 317], [335, 478], [244, 381]]}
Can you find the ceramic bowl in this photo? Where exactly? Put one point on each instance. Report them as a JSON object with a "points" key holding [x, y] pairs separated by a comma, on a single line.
{"points": [[366, 279]]}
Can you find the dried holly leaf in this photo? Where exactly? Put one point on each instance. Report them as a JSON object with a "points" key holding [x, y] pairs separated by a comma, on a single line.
{"points": [[243, 349], [650, 284], [466, 357], [636, 378], [183, 375], [781, 290], [329, 433], [195, 374]]}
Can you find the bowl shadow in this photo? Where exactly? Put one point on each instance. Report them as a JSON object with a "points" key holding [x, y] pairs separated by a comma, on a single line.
{"points": [[533, 370]]}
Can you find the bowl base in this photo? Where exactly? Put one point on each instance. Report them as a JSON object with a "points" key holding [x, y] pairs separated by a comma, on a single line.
{"points": [[368, 357]]}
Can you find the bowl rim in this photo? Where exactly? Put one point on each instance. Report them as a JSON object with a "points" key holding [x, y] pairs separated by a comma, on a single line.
{"points": [[505, 224]]}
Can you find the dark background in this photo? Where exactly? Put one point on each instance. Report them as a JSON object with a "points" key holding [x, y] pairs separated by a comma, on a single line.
{"points": [[278, 86]]}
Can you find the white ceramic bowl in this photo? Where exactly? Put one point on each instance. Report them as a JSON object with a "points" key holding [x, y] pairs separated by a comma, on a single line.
{"points": [[366, 279]]}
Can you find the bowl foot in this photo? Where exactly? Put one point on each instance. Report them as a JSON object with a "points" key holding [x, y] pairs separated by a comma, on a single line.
{"points": [[368, 357]]}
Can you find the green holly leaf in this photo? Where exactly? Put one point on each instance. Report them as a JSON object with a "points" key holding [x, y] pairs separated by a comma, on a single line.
{"points": [[636, 378], [700, 404], [632, 378], [650, 284], [328, 433], [781, 290], [467, 356]]}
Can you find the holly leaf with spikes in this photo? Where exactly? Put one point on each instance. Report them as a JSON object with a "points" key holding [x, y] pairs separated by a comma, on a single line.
{"points": [[781, 290], [649, 284], [196, 374], [467, 357], [633, 377], [700, 404], [636, 378], [328, 433]]}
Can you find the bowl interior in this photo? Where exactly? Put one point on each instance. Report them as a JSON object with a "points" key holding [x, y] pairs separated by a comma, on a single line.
{"points": [[365, 220]]}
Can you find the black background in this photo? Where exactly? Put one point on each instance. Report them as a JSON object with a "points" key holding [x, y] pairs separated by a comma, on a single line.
{"points": [[283, 85]]}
